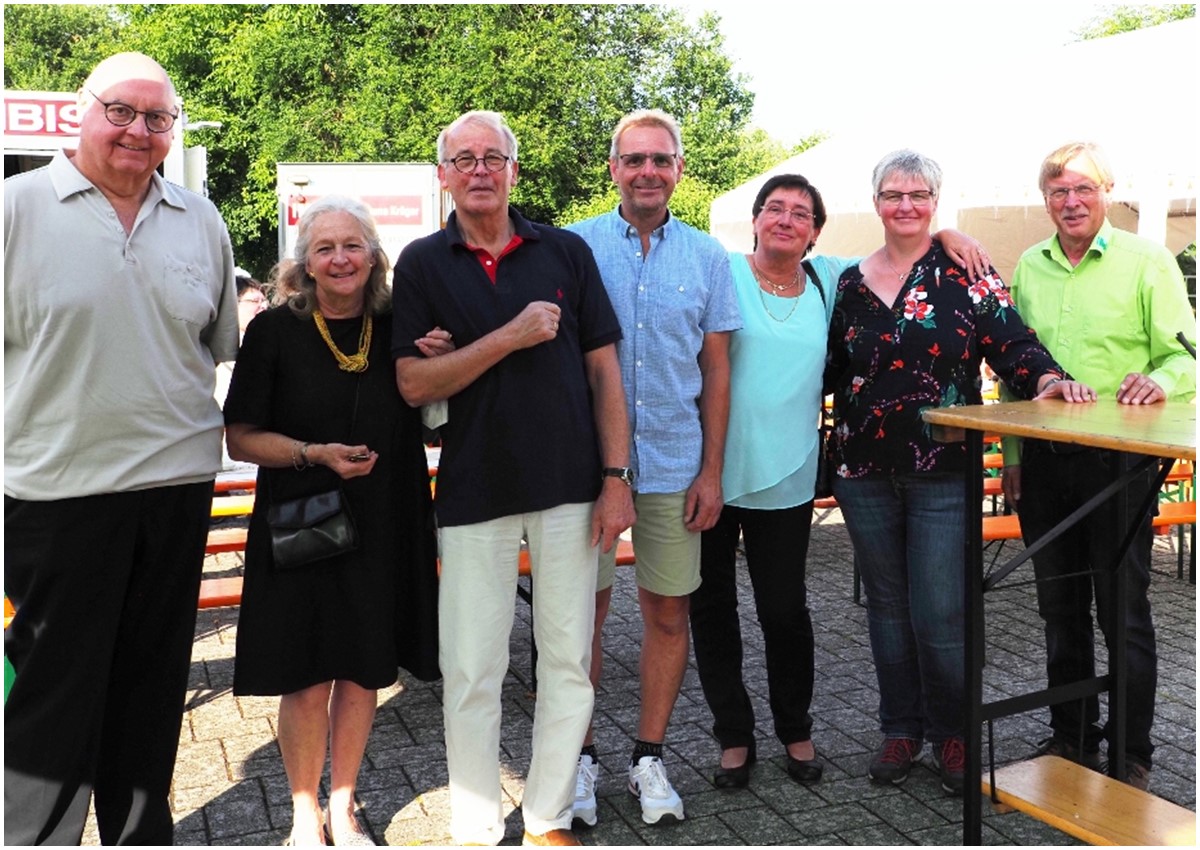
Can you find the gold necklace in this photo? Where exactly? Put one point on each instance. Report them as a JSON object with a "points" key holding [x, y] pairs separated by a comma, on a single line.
{"points": [[763, 299], [762, 278], [356, 363]]}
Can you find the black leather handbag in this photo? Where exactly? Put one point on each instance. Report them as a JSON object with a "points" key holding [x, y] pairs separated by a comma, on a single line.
{"points": [[311, 528]]}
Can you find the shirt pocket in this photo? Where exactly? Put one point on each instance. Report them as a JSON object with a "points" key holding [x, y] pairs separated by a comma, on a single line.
{"points": [[185, 293], [679, 304]]}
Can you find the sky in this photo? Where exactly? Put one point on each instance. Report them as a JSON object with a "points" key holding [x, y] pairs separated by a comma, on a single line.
{"points": [[818, 66]]}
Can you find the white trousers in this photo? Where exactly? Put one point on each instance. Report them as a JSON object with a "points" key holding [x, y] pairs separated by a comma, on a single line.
{"points": [[475, 607]]}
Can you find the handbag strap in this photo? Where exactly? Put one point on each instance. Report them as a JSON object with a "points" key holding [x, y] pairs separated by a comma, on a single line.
{"points": [[812, 275], [826, 424]]}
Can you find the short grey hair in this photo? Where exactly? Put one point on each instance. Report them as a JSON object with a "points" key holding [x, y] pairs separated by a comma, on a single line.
{"points": [[483, 118], [296, 288], [911, 164], [644, 118]]}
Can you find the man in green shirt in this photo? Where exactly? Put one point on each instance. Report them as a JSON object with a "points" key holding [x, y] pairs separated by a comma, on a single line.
{"points": [[1108, 305]]}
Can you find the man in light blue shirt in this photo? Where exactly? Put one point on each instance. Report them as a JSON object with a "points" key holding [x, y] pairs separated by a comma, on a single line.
{"points": [[672, 289]]}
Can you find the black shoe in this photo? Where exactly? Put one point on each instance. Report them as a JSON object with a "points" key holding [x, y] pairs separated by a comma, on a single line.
{"points": [[805, 771], [1136, 773], [1070, 752], [736, 777]]}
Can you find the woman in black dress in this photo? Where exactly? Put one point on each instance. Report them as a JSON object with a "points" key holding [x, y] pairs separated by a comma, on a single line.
{"points": [[313, 402]]}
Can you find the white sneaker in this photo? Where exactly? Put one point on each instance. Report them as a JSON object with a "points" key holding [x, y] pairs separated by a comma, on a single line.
{"points": [[648, 782], [586, 776]]}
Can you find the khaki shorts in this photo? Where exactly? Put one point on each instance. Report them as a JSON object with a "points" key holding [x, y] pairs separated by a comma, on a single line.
{"points": [[668, 555]]}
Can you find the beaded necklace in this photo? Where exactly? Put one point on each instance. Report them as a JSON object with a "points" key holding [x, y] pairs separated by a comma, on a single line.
{"points": [[762, 278], [356, 362]]}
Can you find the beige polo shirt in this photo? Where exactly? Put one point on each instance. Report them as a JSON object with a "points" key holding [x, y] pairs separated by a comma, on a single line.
{"points": [[111, 339]]}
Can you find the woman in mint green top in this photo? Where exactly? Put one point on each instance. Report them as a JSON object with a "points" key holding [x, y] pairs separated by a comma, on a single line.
{"points": [[777, 360]]}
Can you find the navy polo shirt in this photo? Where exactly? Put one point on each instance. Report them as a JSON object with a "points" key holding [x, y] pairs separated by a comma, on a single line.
{"points": [[522, 437]]}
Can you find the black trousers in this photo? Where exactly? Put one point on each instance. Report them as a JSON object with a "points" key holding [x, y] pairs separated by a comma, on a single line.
{"points": [[776, 551], [105, 589], [1052, 486]]}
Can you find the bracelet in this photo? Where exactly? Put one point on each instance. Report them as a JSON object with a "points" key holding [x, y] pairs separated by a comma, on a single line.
{"points": [[304, 456], [1051, 383], [295, 460]]}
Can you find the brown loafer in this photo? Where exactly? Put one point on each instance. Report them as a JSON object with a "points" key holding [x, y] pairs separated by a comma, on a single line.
{"points": [[553, 838]]}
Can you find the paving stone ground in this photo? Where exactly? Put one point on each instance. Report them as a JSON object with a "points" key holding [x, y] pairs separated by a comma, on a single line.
{"points": [[230, 787]]}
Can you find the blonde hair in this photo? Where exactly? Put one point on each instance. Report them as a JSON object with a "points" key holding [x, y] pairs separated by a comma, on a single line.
{"points": [[644, 118], [1056, 163]]}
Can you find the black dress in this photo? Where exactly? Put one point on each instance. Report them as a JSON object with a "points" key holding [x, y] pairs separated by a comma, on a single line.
{"points": [[360, 615]]}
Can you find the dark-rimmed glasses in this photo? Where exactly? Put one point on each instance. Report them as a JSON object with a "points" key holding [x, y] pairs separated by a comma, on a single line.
{"points": [[466, 163], [122, 115]]}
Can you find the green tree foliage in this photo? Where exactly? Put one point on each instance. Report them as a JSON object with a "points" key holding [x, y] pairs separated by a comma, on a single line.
{"points": [[51, 48], [376, 83], [1118, 19]]}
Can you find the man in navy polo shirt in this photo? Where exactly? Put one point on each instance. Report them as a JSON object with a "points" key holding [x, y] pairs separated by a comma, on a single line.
{"points": [[522, 456]]}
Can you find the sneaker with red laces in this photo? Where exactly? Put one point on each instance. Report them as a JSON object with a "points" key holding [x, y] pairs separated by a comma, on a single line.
{"points": [[894, 760], [950, 756]]}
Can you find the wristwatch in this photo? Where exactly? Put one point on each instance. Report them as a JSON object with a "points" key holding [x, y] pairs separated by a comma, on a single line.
{"points": [[622, 472]]}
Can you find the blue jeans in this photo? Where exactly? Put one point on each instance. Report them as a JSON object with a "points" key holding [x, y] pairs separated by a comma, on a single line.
{"points": [[907, 532], [1052, 486]]}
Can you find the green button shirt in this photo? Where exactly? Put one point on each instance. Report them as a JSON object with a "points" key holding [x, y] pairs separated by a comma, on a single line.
{"points": [[1116, 312]]}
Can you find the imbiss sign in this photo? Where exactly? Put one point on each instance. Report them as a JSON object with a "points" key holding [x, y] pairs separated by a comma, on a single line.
{"points": [[39, 120]]}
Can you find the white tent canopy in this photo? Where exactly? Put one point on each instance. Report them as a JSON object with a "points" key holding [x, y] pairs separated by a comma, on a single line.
{"points": [[989, 125]]}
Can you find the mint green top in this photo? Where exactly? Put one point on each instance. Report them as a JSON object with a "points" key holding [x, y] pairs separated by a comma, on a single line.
{"points": [[1116, 312], [775, 389]]}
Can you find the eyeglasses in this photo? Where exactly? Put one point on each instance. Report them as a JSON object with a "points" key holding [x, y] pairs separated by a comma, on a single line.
{"points": [[777, 211], [122, 115], [919, 198], [637, 160], [466, 163], [1084, 192]]}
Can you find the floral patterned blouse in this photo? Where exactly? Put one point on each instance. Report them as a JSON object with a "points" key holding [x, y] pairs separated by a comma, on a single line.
{"points": [[888, 364]]}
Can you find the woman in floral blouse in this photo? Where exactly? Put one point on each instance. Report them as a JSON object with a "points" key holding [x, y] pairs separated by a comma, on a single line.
{"points": [[909, 331]]}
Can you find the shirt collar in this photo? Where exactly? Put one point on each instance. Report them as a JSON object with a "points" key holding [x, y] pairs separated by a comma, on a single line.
{"points": [[68, 180], [1100, 244], [521, 227], [627, 230]]}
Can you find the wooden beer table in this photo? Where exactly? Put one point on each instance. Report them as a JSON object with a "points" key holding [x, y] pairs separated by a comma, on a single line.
{"points": [[1162, 432]]}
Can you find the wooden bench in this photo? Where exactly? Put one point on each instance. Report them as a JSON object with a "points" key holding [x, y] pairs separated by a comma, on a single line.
{"points": [[232, 505], [1170, 514], [1091, 806]]}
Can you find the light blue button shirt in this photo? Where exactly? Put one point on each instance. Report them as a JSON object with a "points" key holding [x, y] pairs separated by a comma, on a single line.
{"points": [[666, 302]]}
